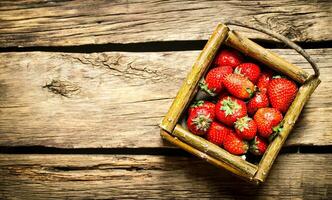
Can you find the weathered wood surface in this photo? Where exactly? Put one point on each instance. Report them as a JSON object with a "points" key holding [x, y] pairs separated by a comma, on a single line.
{"points": [[117, 99], [62, 23], [117, 177]]}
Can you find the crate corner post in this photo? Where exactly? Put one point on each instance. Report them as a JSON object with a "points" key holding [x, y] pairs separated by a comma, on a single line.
{"points": [[187, 90]]}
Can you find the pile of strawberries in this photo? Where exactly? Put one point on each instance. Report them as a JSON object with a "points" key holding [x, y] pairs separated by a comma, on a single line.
{"points": [[245, 107]]}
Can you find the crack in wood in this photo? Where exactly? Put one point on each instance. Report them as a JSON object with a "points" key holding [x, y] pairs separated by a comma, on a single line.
{"points": [[96, 167], [120, 66]]}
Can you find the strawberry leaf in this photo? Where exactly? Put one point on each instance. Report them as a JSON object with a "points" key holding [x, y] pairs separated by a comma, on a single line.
{"points": [[197, 103], [237, 71], [276, 130], [277, 76], [250, 92], [202, 84]]}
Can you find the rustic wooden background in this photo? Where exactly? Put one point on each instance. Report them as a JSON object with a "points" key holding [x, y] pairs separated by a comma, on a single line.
{"points": [[84, 85]]}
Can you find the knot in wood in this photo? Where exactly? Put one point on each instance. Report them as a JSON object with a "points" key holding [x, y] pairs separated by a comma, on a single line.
{"points": [[63, 88]]}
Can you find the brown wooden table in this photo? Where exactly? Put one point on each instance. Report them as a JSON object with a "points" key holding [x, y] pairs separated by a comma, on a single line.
{"points": [[84, 85]]}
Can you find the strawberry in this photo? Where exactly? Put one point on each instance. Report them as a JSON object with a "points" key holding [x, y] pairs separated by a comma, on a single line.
{"points": [[234, 145], [239, 86], [264, 80], [202, 104], [281, 93], [228, 57], [260, 100], [216, 133], [213, 82], [199, 120], [258, 146], [246, 128], [268, 122], [249, 70], [228, 109]]}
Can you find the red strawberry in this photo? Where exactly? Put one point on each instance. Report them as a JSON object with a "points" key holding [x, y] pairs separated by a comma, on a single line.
{"points": [[264, 80], [199, 120], [239, 86], [245, 128], [202, 104], [234, 145], [260, 100], [228, 109], [228, 57], [268, 122], [258, 146], [216, 133], [249, 70], [213, 82], [281, 92]]}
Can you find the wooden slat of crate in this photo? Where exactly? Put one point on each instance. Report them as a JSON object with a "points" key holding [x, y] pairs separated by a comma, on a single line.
{"points": [[117, 99], [143, 176], [188, 89], [62, 23]]}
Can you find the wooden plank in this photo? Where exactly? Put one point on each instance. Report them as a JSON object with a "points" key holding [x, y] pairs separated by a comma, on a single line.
{"points": [[118, 99], [119, 177], [63, 23]]}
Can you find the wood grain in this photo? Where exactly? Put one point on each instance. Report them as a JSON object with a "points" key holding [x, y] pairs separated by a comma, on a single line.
{"points": [[120, 177], [118, 99], [63, 23]]}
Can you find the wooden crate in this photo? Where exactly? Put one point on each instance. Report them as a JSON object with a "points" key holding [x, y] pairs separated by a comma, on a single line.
{"points": [[172, 130]]}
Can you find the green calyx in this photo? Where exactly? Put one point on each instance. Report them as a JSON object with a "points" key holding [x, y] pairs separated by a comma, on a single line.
{"points": [[276, 130], [254, 146], [237, 71], [202, 84], [229, 106], [245, 146], [242, 123], [250, 92], [197, 103], [277, 76], [202, 122]]}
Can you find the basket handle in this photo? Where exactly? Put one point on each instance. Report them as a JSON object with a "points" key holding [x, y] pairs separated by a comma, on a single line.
{"points": [[281, 38]]}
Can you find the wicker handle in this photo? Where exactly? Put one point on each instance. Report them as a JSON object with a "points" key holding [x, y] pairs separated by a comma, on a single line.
{"points": [[282, 38]]}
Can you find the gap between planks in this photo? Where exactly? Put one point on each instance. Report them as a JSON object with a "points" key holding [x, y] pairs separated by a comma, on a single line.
{"points": [[142, 176], [141, 151], [157, 46]]}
